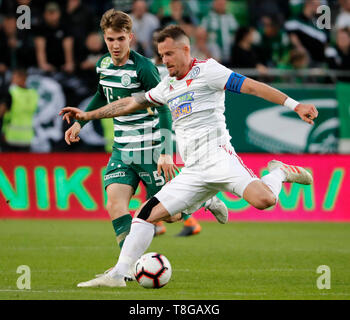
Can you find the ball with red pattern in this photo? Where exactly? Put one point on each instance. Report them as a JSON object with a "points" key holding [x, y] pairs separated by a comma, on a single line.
{"points": [[153, 270]]}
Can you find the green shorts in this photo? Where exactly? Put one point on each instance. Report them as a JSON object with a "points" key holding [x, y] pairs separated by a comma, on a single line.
{"points": [[131, 167]]}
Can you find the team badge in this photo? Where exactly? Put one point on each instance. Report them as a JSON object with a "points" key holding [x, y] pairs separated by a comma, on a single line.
{"points": [[106, 62], [195, 72], [126, 80]]}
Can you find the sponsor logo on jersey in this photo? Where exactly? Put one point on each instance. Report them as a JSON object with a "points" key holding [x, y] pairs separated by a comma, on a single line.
{"points": [[106, 62], [182, 110], [126, 80], [114, 175], [146, 177], [179, 100], [181, 105]]}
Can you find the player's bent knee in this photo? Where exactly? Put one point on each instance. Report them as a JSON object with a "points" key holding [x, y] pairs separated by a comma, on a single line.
{"points": [[147, 209], [265, 202], [116, 209]]}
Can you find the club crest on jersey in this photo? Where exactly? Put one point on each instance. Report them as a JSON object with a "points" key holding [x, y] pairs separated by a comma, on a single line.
{"points": [[106, 62], [195, 72], [126, 80]]}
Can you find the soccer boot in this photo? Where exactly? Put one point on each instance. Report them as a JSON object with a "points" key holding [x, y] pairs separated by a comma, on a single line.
{"points": [[191, 227], [293, 173], [218, 209], [130, 277], [103, 281], [159, 228]]}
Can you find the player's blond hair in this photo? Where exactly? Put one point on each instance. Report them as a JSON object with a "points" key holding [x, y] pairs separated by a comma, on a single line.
{"points": [[116, 20]]}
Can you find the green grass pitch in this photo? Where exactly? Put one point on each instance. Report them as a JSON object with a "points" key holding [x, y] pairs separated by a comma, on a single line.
{"points": [[233, 261]]}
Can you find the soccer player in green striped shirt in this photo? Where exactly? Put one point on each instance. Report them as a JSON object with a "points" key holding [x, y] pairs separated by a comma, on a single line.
{"points": [[137, 137]]}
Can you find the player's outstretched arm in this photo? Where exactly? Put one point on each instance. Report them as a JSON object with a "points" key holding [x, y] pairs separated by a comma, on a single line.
{"points": [[117, 108], [306, 112]]}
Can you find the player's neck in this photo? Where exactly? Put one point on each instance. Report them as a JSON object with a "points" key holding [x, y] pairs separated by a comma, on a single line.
{"points": [[186, 69], [122, 61]]}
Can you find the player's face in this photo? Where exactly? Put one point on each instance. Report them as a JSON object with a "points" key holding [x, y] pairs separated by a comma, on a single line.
{"points": [[174, 56], [118, 44]]}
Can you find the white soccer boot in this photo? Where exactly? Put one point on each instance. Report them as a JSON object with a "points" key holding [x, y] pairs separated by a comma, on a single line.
{"points": [[103, 281], [129, 277], [218, 209], [293, 173]]}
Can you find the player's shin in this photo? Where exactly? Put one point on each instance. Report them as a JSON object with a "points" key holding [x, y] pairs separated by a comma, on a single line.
{"points": [[274, 181], [135, 244], [121, 226]]}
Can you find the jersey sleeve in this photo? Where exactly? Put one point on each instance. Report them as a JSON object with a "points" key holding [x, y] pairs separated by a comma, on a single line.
{"points": [[149, 75], [165, 126], [216, 75], [99, 100], [156, 95]]}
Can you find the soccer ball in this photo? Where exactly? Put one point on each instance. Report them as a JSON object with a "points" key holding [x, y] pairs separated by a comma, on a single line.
{"points": [[152, 270]]}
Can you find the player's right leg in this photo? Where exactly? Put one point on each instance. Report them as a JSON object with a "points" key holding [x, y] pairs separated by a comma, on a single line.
{"points": [[185, 191], [136, 243]]}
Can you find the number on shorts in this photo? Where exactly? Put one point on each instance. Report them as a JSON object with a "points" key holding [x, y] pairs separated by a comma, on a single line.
{"points": [[159, 179]]}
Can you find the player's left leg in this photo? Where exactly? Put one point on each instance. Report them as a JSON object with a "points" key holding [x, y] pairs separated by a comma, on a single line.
{"points": [[263, 193]]}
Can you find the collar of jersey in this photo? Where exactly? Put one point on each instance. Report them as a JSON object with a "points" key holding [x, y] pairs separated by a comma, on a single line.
{"points": [[192, 64]]}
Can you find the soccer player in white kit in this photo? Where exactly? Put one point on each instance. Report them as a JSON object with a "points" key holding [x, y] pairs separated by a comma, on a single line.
{"points": [[195, 94]]}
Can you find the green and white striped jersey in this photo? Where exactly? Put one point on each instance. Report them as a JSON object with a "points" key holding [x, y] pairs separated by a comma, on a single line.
{"points": [[139, 130]]}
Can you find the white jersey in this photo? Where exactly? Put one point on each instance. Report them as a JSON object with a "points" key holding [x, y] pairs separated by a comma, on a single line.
{"points": [[197, 105]]}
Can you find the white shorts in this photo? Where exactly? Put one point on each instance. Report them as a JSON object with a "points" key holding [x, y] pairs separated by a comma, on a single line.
{"points": [[195, 185]]}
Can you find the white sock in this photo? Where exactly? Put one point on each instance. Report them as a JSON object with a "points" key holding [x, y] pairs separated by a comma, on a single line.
{"points": [[274, 181], [135, 244]]}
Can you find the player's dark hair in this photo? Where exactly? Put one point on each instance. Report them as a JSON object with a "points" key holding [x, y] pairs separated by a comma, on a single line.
{"points": [[173, 32], [116, 20]]}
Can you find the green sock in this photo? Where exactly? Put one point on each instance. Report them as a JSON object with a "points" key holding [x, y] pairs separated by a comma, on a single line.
{"points": [[121, 228], [185, 216]]}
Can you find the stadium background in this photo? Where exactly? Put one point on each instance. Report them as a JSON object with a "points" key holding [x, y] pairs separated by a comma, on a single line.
{"points": [[47, 179], [49, 182]]}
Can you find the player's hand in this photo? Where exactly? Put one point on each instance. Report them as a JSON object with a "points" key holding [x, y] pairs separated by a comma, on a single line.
{"points": [[71, 135], [74, 113], [166, 164], [306, 112]]}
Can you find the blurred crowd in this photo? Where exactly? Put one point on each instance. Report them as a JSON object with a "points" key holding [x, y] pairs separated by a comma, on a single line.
{"points": [[64, 41], [64, 35]]}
